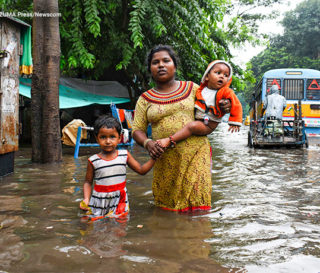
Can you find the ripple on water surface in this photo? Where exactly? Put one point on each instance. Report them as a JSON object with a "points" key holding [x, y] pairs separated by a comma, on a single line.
{"points": [[265, 217], [267, 205]]}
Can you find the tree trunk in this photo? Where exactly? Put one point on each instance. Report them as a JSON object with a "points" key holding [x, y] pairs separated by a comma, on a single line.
{"points": [[46, 140], [36, 88]]}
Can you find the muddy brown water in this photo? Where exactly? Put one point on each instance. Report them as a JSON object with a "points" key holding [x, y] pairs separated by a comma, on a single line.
{"points": [[265, 217]]}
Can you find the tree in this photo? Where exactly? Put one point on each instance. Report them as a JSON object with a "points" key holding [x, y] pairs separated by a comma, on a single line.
{"points": [[46, 143], [301, 30], [244, 18], [108, 40], [298, 47], [274, 57], [128, 29]]}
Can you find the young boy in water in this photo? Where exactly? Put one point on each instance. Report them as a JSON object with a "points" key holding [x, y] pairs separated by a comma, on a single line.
{"points": [[214, 87], [104, 189]]}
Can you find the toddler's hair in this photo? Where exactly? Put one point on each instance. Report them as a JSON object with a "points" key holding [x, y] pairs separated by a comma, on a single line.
{"points": [[108, 122], [212, 64]]}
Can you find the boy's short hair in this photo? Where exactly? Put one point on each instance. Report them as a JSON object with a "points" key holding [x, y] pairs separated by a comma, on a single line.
{"points": [[108, 122]]}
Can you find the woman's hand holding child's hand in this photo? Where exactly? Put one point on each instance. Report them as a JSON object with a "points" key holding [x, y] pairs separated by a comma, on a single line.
{"points": [[164, 142], [155, 151]]}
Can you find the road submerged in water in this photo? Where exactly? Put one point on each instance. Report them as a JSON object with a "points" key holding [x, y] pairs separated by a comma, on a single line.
{"points": [[265, 217]]}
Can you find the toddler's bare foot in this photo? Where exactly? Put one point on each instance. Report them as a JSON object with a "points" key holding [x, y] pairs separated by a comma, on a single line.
{"points": [[164, 142], [234, 128]]}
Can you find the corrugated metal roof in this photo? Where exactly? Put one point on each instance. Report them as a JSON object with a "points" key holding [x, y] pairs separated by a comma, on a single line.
{"points": [[16, 21]]}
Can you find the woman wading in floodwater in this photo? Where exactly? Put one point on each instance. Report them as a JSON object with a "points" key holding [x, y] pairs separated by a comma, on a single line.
{"points": [[182, 175]]}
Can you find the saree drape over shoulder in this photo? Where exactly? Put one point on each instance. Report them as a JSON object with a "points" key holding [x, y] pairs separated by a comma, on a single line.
{"points": [[182, 175]]}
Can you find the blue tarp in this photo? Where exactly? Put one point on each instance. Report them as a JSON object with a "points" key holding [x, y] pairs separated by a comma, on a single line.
{"points": [[70, 97]]}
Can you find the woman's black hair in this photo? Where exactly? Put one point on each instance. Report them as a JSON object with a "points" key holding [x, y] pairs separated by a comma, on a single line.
{"points": [[159, 48], [108, 122]]}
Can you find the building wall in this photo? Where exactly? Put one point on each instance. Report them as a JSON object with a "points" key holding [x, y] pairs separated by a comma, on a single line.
{"points": [[9, 86]]}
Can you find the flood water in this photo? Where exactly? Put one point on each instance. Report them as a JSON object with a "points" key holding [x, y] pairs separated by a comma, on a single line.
{"points": [[265, 217]]}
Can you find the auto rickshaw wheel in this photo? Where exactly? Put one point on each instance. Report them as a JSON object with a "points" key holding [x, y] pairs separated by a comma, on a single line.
{"points": [[250, 140], [306, 142]]}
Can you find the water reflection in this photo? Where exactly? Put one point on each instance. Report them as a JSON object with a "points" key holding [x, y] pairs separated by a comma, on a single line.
{"points": [[265, 217], [11, 245], [104, 237], [176, 242]]}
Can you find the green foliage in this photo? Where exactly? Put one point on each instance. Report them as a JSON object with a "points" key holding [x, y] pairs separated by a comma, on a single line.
{"points": [[135, 23], [127, 54], [109, 40], [91, 17], [15, 6], [245, 15], [273, 58], [113, 40], [301, 35], [298, 47], [84, 24]]}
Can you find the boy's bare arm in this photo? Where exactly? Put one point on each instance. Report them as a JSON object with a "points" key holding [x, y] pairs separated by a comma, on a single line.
{"points": [[137, 167], [87, 186], [197, 127]]}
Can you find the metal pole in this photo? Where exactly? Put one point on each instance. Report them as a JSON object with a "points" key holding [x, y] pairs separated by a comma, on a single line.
{"points": [[76, 149]]}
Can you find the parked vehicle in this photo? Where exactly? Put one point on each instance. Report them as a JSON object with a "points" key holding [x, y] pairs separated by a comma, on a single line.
{"points": [[285, 132], [301, 117], [294, 85]]}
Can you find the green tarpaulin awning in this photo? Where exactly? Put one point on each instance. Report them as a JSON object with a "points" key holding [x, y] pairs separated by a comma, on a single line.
{"points": [[70, 97]]}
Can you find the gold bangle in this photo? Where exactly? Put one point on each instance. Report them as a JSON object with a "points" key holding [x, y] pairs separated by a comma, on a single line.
{"points": [[146, 142]]}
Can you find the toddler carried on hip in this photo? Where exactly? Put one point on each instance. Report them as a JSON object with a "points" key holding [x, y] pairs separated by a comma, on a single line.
{"points": [[214, 88]]}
